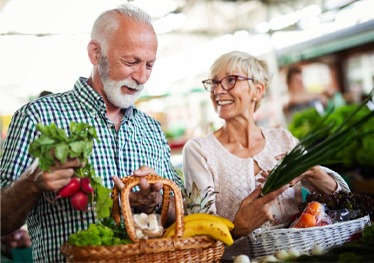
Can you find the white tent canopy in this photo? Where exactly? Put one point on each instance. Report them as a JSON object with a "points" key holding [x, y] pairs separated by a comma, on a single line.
{"points": [[43, 42]]}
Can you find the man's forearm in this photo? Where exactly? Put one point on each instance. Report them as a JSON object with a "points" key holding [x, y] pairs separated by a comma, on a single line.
{"points": [[17, 200]]}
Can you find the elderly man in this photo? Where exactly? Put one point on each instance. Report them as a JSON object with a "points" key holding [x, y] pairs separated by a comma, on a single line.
{"points": [[122, 51]]}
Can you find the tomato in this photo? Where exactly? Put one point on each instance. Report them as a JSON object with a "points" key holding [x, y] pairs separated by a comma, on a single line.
{"points": [[305, 220], [315, 208]]}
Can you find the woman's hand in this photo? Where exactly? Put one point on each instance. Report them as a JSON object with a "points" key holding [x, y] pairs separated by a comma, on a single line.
{"points": [[148, 198], [254, 211], [306, 175], [318, 179]]}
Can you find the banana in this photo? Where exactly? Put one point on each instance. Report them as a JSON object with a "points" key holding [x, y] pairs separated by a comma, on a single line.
{"points": [[214, 229], [216, 218], [202, 216]]}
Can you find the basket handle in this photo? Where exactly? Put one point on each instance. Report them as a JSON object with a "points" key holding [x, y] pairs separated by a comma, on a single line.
{"points": [[132, 181]]}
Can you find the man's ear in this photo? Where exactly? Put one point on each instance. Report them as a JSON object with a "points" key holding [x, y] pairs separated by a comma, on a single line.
{"points": [[94, 52]]}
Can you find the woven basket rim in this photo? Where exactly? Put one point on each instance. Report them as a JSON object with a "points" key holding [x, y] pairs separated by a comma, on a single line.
{"points": [[268, 242], [314, 228]]}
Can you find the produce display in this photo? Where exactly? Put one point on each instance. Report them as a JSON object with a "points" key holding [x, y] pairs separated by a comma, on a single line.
{"points": [[320, 146], [107, 232], [325, 222], [54, 144], [361, 204], [359, 153]]}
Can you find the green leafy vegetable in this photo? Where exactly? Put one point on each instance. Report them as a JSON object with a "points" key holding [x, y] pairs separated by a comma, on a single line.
{"points": [[98, 235], [318, 147], [54, 144]]}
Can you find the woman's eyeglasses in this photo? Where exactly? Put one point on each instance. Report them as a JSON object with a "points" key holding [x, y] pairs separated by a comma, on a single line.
{"points": [[227, 82]]}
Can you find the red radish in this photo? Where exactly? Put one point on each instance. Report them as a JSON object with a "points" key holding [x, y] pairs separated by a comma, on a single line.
{"points": [[79, 201], [86, 186], [68, 190]]}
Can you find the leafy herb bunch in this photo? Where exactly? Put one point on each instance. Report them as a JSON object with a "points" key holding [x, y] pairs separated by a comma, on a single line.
{"points": [[54, 144], [320, 146]]}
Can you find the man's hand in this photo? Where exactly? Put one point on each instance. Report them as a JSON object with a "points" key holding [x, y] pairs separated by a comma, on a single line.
{"points": [[54, 180], [148, 198]]}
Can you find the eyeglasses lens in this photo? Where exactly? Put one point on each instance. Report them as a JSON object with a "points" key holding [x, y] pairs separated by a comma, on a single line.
{"points": [[228, 82]]}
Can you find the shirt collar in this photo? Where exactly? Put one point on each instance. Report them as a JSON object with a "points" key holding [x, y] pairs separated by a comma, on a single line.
{"points": [[93, 100]]}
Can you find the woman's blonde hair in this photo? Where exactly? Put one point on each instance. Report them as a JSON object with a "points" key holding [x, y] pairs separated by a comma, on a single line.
{"points": [[241, 61]]}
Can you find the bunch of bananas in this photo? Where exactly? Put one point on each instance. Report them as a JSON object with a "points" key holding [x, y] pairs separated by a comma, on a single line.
{"points": [[213, 226]]}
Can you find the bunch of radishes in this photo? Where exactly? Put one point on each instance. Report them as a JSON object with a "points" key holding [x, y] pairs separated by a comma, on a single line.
{"points": [[78, 191], [79, 144]]}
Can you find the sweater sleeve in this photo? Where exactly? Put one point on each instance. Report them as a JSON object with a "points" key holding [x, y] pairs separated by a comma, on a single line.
{"points": [[342, 185], [195, 169]]}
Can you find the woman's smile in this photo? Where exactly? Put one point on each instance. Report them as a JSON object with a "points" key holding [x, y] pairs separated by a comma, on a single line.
{"points": [[224, 102]]}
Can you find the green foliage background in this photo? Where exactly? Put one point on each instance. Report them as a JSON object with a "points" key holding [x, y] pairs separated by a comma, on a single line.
{"points": [[359, 153]]}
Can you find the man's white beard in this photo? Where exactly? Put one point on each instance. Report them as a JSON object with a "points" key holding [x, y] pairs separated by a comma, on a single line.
{"points": [[113, 91]]}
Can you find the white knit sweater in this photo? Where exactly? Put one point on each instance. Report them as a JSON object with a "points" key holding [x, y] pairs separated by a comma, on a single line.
{"points": [[207, 163]]}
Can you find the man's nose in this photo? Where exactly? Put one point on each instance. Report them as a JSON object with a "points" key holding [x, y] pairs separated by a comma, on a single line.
{"points": [[141, 73]]}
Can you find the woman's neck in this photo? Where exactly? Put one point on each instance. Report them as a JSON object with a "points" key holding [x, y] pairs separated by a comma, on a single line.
{"points": [[242, 141]]}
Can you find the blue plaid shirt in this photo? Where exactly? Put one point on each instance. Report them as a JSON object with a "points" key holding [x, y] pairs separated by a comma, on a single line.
{"points": [[139, 141]]}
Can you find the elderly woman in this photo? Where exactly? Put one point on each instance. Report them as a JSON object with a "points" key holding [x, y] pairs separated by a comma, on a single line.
{"points": [[234, 159]]}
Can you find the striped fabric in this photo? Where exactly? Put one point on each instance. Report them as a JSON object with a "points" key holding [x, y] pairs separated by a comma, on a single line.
{"points": [[139, 141]]}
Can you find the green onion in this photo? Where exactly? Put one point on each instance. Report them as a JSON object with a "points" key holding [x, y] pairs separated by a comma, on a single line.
{"points": [[318, 147]]}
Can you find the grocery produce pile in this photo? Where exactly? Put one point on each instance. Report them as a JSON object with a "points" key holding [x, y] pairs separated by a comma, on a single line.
{"points": [[330, 208], [321, 210], [197, 222], [362, 204]]}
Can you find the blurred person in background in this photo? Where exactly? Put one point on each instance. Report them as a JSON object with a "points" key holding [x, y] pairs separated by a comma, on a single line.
{"points": [[15, 247], [235, 159], [298, 97], [122, 51], [20, 238]]}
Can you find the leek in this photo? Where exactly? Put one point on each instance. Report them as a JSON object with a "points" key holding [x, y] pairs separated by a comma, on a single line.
{"points": [[318, 147]]}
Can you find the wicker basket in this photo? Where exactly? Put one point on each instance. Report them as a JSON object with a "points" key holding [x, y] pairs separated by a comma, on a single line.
{"points": [[268, 242], [171, 249]]}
